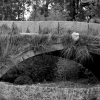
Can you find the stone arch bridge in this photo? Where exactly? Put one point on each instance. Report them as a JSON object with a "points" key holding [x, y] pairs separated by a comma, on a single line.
{"points": [[58, 46]]}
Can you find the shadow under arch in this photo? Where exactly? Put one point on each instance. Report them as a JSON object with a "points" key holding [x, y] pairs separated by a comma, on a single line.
{"points": [[92, 64], [58, 53]]}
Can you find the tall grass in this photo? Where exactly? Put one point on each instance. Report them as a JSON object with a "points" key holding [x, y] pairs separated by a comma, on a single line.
{"points": [[5, 50], [15, 44], [80, 50], [40, 43]]}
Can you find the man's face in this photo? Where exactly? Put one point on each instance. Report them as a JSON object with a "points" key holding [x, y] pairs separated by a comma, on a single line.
{"points": [[75, 36]]}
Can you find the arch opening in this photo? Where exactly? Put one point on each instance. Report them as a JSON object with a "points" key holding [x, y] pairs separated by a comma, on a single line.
{"points": [[91, 65], [44, 66]]}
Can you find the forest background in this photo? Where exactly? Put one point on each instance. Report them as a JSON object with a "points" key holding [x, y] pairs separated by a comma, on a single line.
{"points": [[45, 10]]}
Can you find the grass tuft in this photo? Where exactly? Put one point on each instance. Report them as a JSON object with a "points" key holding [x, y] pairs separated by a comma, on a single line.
{"points": [[80, 50], [82, 54]]}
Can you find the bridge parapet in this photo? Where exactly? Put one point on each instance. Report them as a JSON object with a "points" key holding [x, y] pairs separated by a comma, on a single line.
{"points": [[54, 26]]}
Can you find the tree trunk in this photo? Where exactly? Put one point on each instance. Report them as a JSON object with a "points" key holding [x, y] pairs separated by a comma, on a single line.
{"points": [[74, 13], [46, 9]]}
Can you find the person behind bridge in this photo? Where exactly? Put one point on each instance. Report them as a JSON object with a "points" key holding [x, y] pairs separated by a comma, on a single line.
{"points": [[75, 36]]}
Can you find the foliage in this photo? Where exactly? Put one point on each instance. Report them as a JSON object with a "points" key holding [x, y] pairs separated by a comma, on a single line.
{"points": [[40, 43], [38, 68], [36, 16], [60, 10], [82, 53], [43, 13], [93, 10], [10, 75], [79, 50], [4, 29], [14, 44], [5, 45], [17, 43], [54, 38], [20, 40], [2, 97], [13, 9], [57, 13], [23, 80], [15, 98], [68, 70], [93, 95], [10, 46]]}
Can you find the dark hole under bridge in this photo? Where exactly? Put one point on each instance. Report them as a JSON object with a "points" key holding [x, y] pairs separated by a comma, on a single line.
{"points": [[91, 65]]}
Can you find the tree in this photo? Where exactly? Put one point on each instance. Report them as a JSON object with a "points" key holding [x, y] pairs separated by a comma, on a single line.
{"points": [[70, 5], [13, 9], [93, 10], [67, 8], [89, 8], [36, 15], [58, 13], [41, 11]]}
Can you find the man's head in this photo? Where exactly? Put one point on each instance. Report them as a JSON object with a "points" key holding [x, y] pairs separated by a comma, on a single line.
{"points": [[75, 36]]}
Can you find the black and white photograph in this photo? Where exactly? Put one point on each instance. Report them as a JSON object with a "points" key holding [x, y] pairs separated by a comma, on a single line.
{"points": [[49, 49]]}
